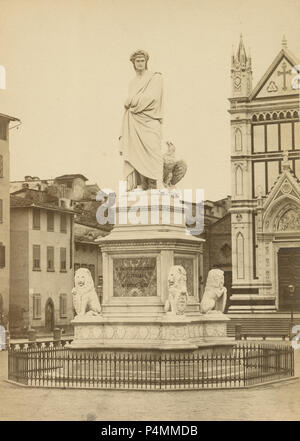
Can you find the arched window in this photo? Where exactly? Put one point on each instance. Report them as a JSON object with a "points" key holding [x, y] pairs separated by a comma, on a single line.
{"points": [[261, 117], [238, 181], [238, 139], [281, 115], [268, 116], [240, 256], [254, 118]]}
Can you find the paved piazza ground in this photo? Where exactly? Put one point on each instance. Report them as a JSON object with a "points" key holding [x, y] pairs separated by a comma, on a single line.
{"points": [[279, 401]]}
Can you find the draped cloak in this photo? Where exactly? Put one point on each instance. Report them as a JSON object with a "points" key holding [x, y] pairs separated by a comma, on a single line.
{"points": [[141, 128]]}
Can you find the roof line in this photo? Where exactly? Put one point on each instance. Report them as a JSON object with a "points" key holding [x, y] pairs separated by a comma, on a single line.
{"points": [[32, 204], [282, 53], [11, 118]]}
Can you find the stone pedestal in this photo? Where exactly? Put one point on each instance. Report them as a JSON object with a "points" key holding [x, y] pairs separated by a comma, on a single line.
{"points": [[165, 332], [136, 263]]}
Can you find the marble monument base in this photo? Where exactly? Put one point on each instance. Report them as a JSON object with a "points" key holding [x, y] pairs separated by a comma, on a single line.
{"points": [[157, 333], [137, 259]]}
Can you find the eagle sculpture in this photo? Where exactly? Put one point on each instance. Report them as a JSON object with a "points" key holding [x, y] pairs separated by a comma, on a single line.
{"points": [[174, 170]]}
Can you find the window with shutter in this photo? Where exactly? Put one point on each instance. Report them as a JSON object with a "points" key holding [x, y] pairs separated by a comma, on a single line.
{"points": [[63, 223], [36, 306], [3, 130], [36, 253], [63, 305], [71, 241], [36, 219], [50, 221], [63, 259], [50, 258], [2, 255]]}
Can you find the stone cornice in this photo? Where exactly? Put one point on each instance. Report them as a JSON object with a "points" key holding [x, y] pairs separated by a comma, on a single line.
{"points": [[124, 245]]}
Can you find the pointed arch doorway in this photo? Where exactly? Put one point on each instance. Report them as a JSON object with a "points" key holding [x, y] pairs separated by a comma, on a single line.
{"points": [[49, 315]]}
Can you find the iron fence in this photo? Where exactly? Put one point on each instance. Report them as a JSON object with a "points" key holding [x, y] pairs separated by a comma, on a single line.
{"points": [[54, 365]]}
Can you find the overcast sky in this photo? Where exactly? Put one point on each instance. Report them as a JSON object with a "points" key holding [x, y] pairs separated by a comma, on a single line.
{"points": [[67, 65]]}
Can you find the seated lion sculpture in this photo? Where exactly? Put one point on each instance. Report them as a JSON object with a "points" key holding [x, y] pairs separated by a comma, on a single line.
{"points": [[85, 299], [177, 291], [215, 294]]}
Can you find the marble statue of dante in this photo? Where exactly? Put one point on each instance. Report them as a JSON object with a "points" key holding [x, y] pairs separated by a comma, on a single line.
{"points": [[141, 129]]}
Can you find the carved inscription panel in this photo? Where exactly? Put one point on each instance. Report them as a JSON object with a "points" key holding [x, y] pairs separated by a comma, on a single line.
{"points": [[134, 277]]}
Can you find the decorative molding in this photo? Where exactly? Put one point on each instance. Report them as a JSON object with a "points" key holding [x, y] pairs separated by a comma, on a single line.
{"points": [[129, 333], [239, 181], [238, 140], [240, 264], [239, 217], [242, 164], [289, 221], [286, 187], [272, 87], [271, 115]]}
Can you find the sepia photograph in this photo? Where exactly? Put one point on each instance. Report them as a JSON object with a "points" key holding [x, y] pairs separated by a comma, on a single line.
{"points": [[149, 213]]}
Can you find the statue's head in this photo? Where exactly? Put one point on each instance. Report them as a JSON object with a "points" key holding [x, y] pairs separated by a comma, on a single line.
{"points": [[215, 279], [83, 279], [139, 60], [177, 277]]}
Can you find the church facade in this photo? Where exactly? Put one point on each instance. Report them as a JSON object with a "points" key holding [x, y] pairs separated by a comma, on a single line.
{"points": [[265, 160]]}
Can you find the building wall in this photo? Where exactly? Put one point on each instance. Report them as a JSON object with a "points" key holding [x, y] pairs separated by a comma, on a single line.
{"points": [[217, 250], [19, 269], [217, 237], [87, 252], [220, 244], [89, 256], [26, 281], [78, 188], [50, 284], [206, 261], [5, 224]]}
